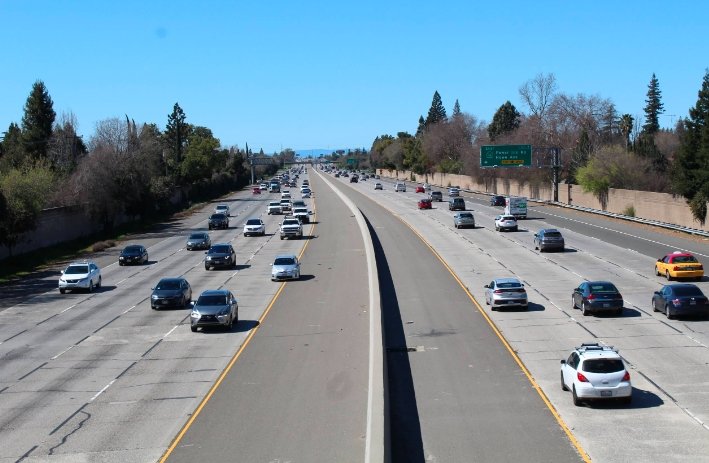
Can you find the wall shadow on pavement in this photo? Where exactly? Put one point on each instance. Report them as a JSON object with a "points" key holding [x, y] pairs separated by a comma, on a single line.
{"points": [[404, 426]]}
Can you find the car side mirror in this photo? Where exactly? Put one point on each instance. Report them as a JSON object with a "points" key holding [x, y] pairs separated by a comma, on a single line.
{"points": [[563, 362], [62, 272], [152, 289], [486, 286], [191, 303], [657, 293], [660, 259], [206, 252]]}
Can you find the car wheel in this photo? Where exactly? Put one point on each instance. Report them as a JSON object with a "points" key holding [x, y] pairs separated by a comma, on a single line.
{"points": [[668, 312], [668, 276], [120, 264], [99, 283], [206, 267], [514, 229], [193, 328], [576, 399], [563, 385], [657, 271], [536, 247], [62, 290], [281, 238], [627, 400], [573, 303], [497, 228], [619, 312], [230, 325], [91, 286], [584, 308]]}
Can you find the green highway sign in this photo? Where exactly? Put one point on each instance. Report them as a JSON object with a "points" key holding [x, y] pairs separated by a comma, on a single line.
{"points": [[352, 161], [505, 155]]}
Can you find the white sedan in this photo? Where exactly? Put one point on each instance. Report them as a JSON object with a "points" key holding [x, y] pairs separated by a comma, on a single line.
{"points": [[254, 226]]}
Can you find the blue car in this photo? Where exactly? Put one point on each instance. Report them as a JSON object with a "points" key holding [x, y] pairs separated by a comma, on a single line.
{"points": [[680, 299]]}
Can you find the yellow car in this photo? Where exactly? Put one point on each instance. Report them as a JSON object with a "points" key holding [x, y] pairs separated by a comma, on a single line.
{"points": [[679, 265]]}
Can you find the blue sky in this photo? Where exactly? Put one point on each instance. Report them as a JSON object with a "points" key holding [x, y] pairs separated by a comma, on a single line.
{"points": [[330, 74]]}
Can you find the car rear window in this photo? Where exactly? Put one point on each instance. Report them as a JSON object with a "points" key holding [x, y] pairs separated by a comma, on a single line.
{"points": [[603, 288], [284, 261], [687, 291], [132, 250], [466, 216], [508, 285], [603, 365], [684, 259], [218, 216], [554, 234]]}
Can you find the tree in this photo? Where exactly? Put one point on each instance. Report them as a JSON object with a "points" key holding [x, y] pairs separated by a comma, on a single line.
{"points": [[626, 126], [13, 152], [538, 93], [456, 109], [421, 127], [690, 173], [653, 107], [505, 120], [437, 113], [580, 155], [38, 121], [175, 136], [65, 146], [24, 191]]}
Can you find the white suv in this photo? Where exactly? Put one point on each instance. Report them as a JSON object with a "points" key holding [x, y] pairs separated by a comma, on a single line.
{"points": [[80, 275], [400, 187], [594, 371]]}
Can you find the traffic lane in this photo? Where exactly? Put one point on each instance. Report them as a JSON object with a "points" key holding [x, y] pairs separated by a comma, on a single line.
{"points": [[472, 397], [104, 359], [657, 353], [301, 383]]}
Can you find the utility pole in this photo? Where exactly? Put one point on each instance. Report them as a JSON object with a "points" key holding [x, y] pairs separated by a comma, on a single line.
{"points": [[555, 168]]}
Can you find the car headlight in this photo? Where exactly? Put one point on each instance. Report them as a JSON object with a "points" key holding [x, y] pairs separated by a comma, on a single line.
{"points": [[154, 297], [209, 257], [195, 314]]}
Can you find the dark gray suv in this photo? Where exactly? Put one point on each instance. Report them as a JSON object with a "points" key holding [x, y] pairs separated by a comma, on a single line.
{"points": [[220, 255], [215, 307], [548, 239]]}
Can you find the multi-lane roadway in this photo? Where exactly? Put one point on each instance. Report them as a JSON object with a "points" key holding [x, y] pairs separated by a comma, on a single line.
{"points": [[102, 377]]}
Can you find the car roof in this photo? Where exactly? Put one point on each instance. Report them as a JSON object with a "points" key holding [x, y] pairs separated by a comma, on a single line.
{"points": [[171, 279], [596, 350], [214, 292], [545, 230], [507, 280], [682, 285], [679, 254], [291, 256]]}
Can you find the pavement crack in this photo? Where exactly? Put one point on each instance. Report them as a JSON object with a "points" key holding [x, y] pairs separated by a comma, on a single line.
{"points": [[66, 437]]}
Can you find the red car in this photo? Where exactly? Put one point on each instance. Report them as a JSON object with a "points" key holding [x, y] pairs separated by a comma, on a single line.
{"points": [[419, 189], [256, 190], [425, 203]]}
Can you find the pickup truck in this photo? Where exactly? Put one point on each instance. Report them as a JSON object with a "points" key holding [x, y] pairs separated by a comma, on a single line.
{"points": [[302, 214], [274, 207], [291, 228]]}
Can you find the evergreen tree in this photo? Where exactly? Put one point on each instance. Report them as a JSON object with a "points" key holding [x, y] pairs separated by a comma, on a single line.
{"points": [[653, 107], [38, 121], [175, 136], [690, 174], [437, 113], [13, 152], [456, 109], [580, 156], [421, 127], [505, 120]]}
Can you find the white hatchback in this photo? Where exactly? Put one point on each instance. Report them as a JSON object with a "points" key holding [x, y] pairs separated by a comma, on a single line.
{"points": [[595, 371]]}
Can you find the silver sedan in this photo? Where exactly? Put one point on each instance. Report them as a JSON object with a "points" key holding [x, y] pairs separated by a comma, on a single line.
{"points": [[506, 292]]}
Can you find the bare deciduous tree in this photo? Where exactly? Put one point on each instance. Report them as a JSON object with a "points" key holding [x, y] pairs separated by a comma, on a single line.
{"points": [[538, 94]]}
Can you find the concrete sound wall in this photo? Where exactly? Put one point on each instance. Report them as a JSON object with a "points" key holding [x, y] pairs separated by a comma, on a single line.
{"points": [[648, 205]]}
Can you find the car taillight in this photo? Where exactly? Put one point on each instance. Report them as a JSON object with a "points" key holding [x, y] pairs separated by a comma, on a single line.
{"points": [[498, 291], [677, 268], [591, 297], [626, 376], [581, 377], [700, 267], [676, 302]]}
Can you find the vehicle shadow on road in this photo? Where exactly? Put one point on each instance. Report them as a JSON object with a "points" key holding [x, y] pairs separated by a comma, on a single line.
{"points": [[240, 327], [305, 278], [402, 411], [105, 288], [531, 307], [641, 399]]}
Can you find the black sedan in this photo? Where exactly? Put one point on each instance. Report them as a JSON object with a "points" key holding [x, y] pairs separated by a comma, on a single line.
{"points": [[497, 200], [133, 254], [218, 221], [680, 299], [171, 292], [597, 296]]}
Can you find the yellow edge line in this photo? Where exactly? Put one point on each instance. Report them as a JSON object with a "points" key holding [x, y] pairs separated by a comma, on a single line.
{"points": [[507, 345], [233, 360]]}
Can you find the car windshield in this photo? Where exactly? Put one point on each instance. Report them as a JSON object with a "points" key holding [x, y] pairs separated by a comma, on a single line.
{"points": [[222, 208], [132, 250], [77, 269], [196, 236], [466, 216], [687, 291], [508, 285], [508, 217], [219, 250], [603, 288], [684, 259], [300, 210], [274, 203], [603, 365], [253, 222], [291, 222], [284, 261], [168, 284], [554, 234], [212, 299], [217, 216]]}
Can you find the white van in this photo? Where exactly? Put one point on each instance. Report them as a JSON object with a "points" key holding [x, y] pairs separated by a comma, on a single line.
{"points": [[516, 206], [400, 187]]}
